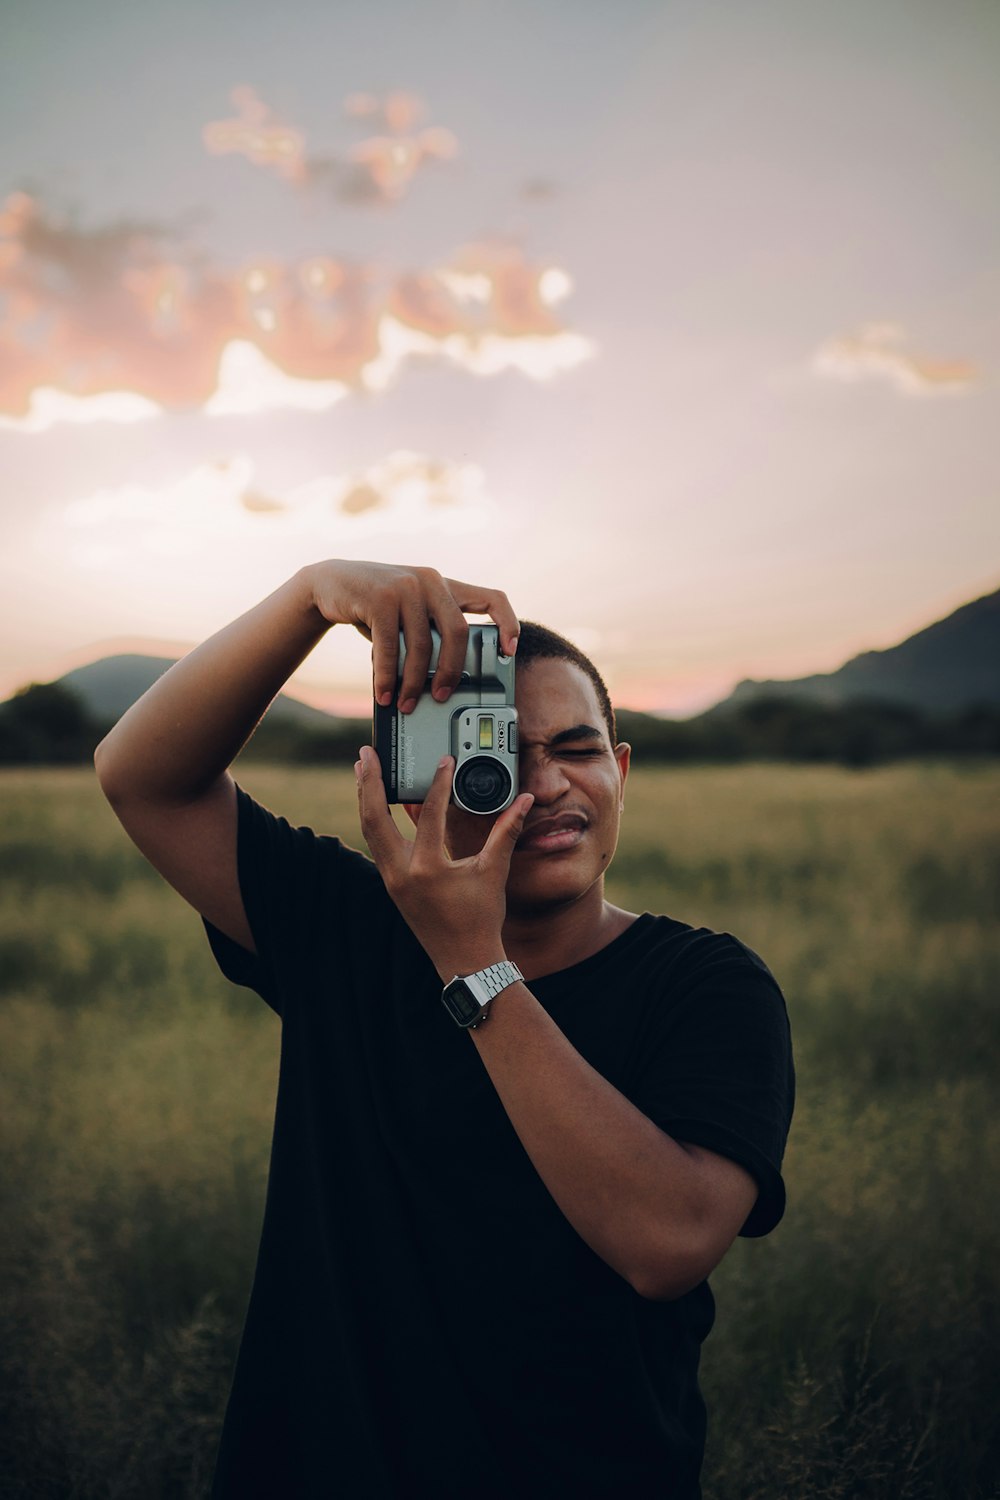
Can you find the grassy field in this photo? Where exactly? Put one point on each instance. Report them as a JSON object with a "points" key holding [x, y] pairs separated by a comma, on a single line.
{"points": [[857, 1352]]}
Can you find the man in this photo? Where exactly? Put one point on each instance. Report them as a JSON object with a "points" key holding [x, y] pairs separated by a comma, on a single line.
{"points": [[483, 1263]]}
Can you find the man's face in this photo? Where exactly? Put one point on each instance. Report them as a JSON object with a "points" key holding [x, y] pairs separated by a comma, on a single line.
{"points": [[566, 759]]}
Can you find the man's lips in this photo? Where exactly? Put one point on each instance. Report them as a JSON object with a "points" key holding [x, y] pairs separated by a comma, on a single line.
{"points": [[551, 835]]}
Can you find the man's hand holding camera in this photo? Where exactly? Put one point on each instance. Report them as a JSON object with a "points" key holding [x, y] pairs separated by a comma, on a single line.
{"points": [[455, 908], [381, 599]]}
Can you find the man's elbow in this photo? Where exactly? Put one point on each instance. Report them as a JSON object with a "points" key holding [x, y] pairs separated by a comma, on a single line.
{"points": [[666, 1281], [107, 769], [673, 1267], [101, 763]]}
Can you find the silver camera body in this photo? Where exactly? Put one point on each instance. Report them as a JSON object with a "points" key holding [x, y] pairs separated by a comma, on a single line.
{"points": [[477, 725]]}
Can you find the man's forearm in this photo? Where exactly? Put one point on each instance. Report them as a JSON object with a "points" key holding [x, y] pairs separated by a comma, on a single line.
{"points": [[187, 729], [662, 1214]]}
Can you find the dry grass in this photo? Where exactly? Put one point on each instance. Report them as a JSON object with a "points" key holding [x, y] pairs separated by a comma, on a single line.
{"points": [[856, 1351]]}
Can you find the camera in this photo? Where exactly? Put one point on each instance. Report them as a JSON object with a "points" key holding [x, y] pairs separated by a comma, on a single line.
{"points": [[477, 725]]}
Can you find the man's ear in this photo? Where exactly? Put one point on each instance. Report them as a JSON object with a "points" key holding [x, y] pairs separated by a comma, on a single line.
{"points": [[623, 755], [413, 811]]}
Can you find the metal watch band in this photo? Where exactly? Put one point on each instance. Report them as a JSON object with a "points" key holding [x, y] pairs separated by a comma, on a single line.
{"points": [[497, 977]]}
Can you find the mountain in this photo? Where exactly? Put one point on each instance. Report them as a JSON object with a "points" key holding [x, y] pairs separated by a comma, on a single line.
{"points": [[109, 686], [946, 668]]}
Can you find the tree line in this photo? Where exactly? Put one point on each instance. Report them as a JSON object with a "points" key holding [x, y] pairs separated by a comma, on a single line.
{"points": [[49, 724]]}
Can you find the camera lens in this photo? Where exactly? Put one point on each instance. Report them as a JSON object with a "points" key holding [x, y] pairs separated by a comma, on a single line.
{"points": [[482, 785]]}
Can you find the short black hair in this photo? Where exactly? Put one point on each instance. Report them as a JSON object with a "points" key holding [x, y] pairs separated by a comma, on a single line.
{"points": [[539, 643]]}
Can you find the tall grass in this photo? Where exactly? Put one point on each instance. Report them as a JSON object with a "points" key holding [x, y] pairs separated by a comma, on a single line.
{"points": [[856, 1352]]}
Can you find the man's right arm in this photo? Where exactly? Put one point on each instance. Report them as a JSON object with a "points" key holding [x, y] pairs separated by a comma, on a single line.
{"points": [[164, 766]]}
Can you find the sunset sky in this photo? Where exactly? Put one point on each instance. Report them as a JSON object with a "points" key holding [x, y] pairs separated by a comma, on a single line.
{"points": [[679, 321]]}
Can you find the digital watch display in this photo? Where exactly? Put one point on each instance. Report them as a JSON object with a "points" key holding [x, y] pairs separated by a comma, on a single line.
{"points": [[467, 998]]}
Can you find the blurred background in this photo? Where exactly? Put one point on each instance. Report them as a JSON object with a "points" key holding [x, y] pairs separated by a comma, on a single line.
{"points": [[677, 321]]}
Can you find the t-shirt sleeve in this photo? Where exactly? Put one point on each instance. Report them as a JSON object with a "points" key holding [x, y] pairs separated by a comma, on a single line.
{"points": [[289, 878], [717, 1069]]}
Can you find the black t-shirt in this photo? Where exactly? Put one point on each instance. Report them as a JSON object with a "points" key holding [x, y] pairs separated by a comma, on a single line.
{"points": [[424, 1320]]}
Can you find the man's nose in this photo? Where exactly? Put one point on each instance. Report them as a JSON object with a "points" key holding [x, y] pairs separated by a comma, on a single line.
{"points": [[545, 778]]}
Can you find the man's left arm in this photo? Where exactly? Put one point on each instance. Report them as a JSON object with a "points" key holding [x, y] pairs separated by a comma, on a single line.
{"points": [[660, 1213]]}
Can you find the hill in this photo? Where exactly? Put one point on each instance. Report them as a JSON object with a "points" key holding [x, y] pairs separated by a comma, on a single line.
{"points": [[110, 686], [947, 668]]}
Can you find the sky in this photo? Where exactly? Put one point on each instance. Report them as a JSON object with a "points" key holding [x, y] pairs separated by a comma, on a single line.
{"points": [[678, 321]]}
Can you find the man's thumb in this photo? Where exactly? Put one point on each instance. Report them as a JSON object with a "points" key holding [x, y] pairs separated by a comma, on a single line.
{"points": [[513, 822]]}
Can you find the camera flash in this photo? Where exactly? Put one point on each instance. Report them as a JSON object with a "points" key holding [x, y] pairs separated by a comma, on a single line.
{"points": [[486, 734]]}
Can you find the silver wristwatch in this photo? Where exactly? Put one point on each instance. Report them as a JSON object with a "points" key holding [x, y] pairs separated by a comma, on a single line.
{"points": [[468, 997]]}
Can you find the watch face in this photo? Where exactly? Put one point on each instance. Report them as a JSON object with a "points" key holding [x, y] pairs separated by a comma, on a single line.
{"points": [[462, 1003]]}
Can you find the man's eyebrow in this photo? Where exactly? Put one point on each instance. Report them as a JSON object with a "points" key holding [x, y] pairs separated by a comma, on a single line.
{"points": [[578, 732]]}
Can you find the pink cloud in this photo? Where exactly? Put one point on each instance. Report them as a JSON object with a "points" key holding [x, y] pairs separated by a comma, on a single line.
{"points": [[123, 309], [875, 353], [378, 168], [254, 132]]}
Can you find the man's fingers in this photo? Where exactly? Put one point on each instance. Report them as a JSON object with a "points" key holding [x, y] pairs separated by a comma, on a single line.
{"points": [[430, 837], [381, 834], [474, 599], [417, 634], [414, 600], [453, 628], [385, 653], [508, 829]]}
